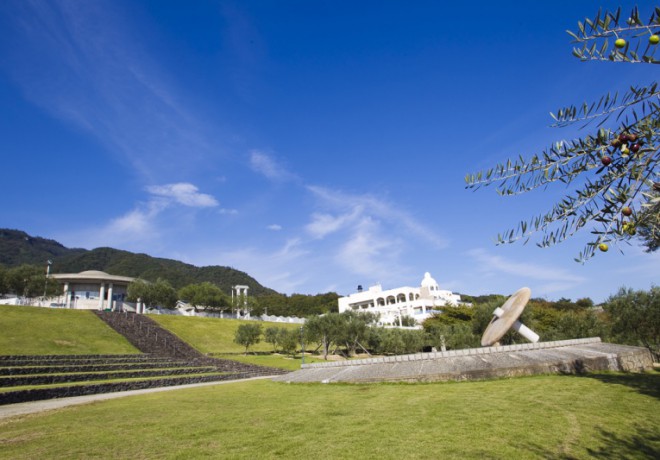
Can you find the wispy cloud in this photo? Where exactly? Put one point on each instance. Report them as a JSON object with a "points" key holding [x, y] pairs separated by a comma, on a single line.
{"points": [[286, 268], [370, 234], [325, 224], [352, 208], [86, 67], [226, 211], [141, 224], [183, 193], [129, 231], [266, 165], [275, 227], [547, 279]]}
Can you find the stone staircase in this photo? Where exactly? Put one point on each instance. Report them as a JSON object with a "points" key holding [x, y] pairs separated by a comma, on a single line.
{"points": [[148, 336]]}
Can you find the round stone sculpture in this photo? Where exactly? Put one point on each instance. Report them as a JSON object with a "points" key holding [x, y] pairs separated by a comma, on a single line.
{"points": [[506, 317]]}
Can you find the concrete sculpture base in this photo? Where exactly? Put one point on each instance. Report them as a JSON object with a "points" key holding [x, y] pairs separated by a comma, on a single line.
{"points": [[561, 357]]}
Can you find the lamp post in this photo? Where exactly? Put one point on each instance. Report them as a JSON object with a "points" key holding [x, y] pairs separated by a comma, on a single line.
{"points": [[48, 264]]}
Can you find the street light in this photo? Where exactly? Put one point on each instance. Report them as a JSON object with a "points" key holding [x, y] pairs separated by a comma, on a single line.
{"points": [[49, 263]]}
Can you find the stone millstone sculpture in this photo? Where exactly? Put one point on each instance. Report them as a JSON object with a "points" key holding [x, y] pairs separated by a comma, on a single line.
{"points": [[506, 317]]}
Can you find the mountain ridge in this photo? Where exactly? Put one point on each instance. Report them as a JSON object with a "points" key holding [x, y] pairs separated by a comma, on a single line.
{"points": [[19, 248]]}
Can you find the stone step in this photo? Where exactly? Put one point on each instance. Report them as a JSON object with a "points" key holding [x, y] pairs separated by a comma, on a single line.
{"points": [[49, 379], [36, 394]]}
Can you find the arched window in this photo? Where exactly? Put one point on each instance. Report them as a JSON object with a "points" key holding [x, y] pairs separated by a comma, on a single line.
{"points": [[401, 298]]}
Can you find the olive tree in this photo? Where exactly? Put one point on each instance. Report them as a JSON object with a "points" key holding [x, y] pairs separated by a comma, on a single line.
{"points": [[635, 317], [272, 336], [324, 329], [354, 329], [289, 339], [613, 170], [247, 335], [160, 293], [205, 296], [29, 281]]}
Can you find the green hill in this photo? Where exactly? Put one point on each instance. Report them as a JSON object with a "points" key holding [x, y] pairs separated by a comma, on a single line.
{"points": [[47, 331], [18, 248]]}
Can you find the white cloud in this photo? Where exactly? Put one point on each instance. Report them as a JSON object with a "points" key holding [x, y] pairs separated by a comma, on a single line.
{"points": [[547, 279], [183, 193], [325, 224], [140, 225], [267, 166], [354, 207], [274, 227], [368, 252], [129, 231], [135, 222], [284, 269]]}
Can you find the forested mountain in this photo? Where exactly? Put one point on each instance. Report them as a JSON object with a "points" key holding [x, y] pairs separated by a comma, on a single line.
{"points": [[18, 248]]}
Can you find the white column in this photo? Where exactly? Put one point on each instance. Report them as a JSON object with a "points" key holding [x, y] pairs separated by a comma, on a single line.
{"points": [[101, 296], [67, 295], [519, 327], [111, 304]]}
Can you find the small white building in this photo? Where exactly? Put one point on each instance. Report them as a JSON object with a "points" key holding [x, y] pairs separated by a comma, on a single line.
{"points": [[94, 290], [416, 302]]}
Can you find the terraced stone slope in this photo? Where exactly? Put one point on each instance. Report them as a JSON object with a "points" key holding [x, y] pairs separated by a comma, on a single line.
{"points": [[166, 361]]}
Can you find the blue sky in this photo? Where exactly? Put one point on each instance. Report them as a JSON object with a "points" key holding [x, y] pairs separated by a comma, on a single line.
{"points": [[315, 145]]}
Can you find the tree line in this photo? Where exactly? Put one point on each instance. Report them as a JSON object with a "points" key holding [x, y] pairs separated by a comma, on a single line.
{"points": [[208, 297], [30, 281], [628, 317]]}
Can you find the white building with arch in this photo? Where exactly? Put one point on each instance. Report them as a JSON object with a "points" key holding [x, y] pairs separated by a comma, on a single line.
{"points": [[416, 302]]}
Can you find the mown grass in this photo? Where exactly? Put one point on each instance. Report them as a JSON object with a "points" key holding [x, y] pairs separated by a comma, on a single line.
{"points": [[213, 335], [47, 331], [600, 416]]}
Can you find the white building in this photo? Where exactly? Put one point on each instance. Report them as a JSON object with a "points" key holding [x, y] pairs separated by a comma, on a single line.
{"points": [[391, 305], [94, 290]]}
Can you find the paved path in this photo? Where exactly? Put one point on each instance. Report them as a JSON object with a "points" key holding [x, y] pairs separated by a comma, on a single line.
{"points": [[12, 410]]}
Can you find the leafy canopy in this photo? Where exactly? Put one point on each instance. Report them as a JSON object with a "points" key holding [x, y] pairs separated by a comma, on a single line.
{"points": [[617, 196]]}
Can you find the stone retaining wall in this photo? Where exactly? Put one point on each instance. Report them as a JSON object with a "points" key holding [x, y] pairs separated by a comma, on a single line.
{"points": [[567, 356], [82, 390], [455, 353]]}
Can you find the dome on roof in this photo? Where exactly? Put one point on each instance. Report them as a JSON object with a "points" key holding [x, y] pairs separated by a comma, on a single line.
{"points": [[93, 273], [428, 281]]}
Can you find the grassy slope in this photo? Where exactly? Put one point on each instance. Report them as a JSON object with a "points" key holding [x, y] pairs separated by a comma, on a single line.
{"points": [[600, 416], [46, 331], [213, 335]]}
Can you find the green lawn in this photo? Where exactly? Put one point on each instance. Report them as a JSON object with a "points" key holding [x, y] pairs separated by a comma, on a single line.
{"points": [[559, 417], [49, 331], [213, 335]]}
